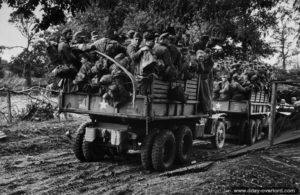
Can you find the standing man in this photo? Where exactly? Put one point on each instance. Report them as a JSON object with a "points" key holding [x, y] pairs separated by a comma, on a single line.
{"points": [[163, 54], [205, 65], [65, 51], [70, 63], [175, 55], [134, 51], [147, 66]]}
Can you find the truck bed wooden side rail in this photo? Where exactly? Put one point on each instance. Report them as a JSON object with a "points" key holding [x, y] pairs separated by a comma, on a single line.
{"points": [[156, 105], [258, 104]]}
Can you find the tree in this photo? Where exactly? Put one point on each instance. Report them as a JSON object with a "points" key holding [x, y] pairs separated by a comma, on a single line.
{"points": [[104, 21], [54, 11], [26, 27], [36, 57], [3, 66], [284, 33], [243, 21]]}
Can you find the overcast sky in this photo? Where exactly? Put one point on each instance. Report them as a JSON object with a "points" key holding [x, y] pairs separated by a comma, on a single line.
{"points": [[9, 35]]}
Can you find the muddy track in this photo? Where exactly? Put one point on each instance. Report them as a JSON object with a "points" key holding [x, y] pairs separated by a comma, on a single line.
{"points": [[37, 159]]}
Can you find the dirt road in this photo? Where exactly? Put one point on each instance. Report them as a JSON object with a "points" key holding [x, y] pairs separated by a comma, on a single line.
{"points": [[37, 158]]}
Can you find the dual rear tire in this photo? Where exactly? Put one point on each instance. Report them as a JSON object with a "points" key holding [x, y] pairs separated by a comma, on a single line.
{"points": [[251, 131], [161, 150]]}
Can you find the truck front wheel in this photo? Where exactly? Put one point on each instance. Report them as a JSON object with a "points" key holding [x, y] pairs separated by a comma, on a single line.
{"points": [[93, 151], [77, 146], [218, 140]]}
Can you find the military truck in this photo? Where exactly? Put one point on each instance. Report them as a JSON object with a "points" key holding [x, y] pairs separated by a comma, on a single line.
{"points": [[162, 129]]}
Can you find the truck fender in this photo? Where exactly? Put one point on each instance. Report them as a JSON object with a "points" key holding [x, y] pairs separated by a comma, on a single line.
{"points": [[90, 134], [219, 116], [210, 126]]}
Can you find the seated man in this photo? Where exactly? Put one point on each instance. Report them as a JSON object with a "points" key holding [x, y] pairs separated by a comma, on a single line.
{"points": [[225, 88], [84, 75], [216, 87], [118, 90], [293, 100], [237, 91]]}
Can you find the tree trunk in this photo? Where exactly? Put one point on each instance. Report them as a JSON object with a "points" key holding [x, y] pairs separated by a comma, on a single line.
{"points": [[27, 68], [283, 51], [27, 75]]}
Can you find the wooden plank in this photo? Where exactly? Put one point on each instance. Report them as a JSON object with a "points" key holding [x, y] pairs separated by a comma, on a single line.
{"points": [[287, 136], [174, 102], [192, 82], [160, 82], [284, 137], [260, 104], [159, 95], [199, 167], [191, 86], [192, 97], [273, 113], [191, 90], [164, 91], [87, 112], [161, 87], [179, 117], [191, 94]]}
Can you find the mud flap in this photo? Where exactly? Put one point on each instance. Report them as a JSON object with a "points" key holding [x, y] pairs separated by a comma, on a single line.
{"points": [[90, 134]]}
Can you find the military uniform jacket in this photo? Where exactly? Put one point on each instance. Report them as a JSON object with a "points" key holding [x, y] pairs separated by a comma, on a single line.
{"points": [[162, 53], [65, 52]]}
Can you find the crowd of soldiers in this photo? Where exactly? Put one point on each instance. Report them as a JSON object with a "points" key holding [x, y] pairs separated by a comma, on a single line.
{"points": [[236, 79], [146, 56]]}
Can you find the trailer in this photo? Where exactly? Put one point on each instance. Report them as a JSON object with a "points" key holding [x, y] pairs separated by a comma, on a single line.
{"points": [[163, 130], [247, 120]]}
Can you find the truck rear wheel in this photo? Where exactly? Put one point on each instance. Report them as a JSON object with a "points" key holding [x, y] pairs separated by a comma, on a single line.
{"points": [[184, 144], [77, 146], [251, 133], [146, 150], [93, 151], [218, 140], [163, 151]]}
